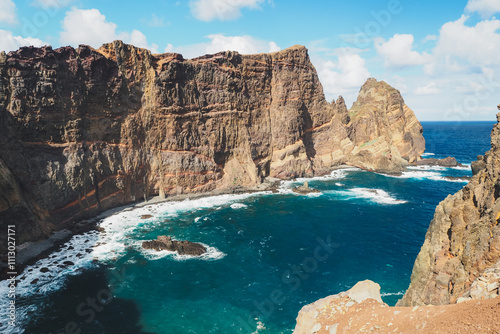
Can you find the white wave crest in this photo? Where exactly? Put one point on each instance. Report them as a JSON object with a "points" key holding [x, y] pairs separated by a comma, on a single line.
{"points": [[121, 228], [285, 187], [426, 167], [385, 294], [236, 206], [427, 154], [47, 275], [376, 195]]}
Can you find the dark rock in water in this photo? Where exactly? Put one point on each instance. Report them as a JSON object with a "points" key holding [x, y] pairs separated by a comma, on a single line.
{"points": [[183, 247], [68, 263], [44, 270], [458, 178], [34, 281], [304, 189], [478, 165], [146, 216], [446, 162]]}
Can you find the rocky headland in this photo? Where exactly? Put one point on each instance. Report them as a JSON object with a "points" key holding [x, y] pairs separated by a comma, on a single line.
{"points": [[456, 277], [86, 130]]}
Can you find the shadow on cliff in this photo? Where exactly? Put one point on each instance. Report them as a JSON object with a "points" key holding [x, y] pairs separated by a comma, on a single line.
{"points": [[307, 135], [59, 314]]}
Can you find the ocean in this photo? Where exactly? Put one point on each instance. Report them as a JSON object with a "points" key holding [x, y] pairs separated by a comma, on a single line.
{"points": [[268, 254]]}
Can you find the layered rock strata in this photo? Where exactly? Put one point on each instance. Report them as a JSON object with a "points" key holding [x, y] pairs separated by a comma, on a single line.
{"points": [[85, 130], [463, 239]]}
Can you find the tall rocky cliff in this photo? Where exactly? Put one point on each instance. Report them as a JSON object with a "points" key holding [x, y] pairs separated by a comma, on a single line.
{"points": [[460, 258], [84, 130]]}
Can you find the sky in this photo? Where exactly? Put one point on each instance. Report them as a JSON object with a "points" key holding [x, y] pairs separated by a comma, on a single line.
{"points": [[443, 56]]}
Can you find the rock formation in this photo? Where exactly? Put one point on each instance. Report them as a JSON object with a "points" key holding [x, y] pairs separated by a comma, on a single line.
{"points": [[304, 189], [463, 240], [183, 247], [446, 162], [85, 130], [344, 313]]}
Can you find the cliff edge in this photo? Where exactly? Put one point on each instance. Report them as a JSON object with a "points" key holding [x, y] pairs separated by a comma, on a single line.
{"points": [[460, 258], [85, 130]]}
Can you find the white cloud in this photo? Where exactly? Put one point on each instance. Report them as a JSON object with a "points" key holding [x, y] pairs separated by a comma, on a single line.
{"points": [[52, 3], [430, 38], [89, 26], [223, 10], [398, 51], [486, 8], [220, 42], [155, 21], [9, 42], [242, 44], [477, 45], [429, 89], [7, 12], [341, 77]]}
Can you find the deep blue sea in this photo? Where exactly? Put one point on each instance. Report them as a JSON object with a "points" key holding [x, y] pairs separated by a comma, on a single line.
{"points": [[269, 254]]}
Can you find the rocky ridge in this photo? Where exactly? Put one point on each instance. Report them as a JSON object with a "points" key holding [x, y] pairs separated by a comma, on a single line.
{"points": [[463, 239], [87, 130]]}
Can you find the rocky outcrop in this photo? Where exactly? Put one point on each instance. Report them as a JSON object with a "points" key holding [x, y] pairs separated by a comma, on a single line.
{"points": [[478, 165], [304, 189], [446, 162], [344, 314], [320, 316], [182, 247], [463, 240], [85, 130]]}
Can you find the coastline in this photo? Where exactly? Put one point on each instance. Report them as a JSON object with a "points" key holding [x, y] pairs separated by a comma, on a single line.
{"points": [[30, 252]]}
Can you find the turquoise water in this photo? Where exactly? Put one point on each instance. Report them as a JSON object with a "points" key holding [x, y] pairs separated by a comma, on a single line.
{"points": [[269, 254]]}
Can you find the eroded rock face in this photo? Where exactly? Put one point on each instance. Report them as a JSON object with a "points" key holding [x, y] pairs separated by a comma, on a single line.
{"points": [[463, 240], [86, 130]]}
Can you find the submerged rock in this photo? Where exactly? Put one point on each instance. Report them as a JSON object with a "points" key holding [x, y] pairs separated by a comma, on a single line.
{"points": [[183, 247]]}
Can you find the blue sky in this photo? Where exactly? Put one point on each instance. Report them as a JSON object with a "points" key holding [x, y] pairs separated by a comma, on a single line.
{"points": [[444, 56]]}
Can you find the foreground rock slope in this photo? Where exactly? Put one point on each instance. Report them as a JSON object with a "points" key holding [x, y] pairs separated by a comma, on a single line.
{"points": [[85, 130], [360, 310]]}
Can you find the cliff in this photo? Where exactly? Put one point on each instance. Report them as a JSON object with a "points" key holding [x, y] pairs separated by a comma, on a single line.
{"points": [[460, 258], [85, 130]]}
